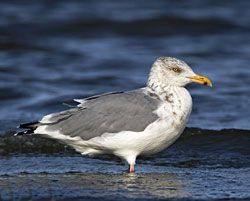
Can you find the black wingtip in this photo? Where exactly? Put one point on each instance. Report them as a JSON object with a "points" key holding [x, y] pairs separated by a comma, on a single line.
{"points": [[28, 128], [29, 125]]}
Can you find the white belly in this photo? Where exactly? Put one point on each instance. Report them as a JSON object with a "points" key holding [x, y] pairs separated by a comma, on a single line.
{"points": [[156, 137]]}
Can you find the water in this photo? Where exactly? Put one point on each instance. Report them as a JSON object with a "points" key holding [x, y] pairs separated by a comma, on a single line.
{"points": [[54, 51], [62, 50], [202, 165]]}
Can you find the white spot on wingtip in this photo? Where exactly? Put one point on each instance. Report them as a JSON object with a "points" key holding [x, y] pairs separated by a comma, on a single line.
{"points": [[80, 100]]}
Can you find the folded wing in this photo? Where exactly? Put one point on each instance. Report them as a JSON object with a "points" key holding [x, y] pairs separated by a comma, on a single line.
{"points": [[108, 113]]}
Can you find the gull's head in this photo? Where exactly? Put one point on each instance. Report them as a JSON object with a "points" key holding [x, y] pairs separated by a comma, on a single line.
{"points": [[169, 71]]}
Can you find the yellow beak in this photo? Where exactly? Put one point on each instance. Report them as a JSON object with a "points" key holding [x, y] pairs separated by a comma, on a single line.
{"points": [[200, 79]]}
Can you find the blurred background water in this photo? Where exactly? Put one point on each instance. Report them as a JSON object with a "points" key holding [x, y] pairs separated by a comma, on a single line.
{"points": [[54, 51]]}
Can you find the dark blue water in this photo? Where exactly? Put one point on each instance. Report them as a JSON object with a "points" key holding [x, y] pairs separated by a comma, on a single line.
{"points": [[54, 51]]}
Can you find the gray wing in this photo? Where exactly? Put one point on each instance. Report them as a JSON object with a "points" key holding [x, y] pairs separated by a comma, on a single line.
{"points": [[112, 113]]}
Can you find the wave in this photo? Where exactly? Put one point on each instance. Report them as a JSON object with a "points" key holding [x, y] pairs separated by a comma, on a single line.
{"points": [[156, 26], [153, 26], [193, 140]]}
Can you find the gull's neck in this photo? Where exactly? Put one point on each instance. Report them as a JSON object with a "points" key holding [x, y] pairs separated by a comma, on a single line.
{"points": [[176, 100]]}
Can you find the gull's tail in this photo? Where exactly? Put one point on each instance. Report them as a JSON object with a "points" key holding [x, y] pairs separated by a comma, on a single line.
{"points": [[28, 128]]}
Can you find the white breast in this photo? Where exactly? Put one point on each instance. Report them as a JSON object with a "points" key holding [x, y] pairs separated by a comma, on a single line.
{"points": [[173, 117]]}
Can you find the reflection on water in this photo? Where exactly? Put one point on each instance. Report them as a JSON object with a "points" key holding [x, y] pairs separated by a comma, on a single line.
{"points": [[178, 183], [162, 185], [92, 185]]}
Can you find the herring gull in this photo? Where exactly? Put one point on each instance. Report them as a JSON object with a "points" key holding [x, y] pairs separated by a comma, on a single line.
{"points": [[127, 124]]}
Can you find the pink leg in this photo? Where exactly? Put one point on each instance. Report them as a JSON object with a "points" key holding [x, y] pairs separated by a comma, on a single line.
{"points": [[131, 168]]}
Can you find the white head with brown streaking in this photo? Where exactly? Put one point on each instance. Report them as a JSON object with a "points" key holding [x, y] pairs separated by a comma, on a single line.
{"points": [[169, 71]]}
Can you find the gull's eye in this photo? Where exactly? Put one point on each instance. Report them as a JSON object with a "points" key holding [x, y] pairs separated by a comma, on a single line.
{"points": [[176, 69]]}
